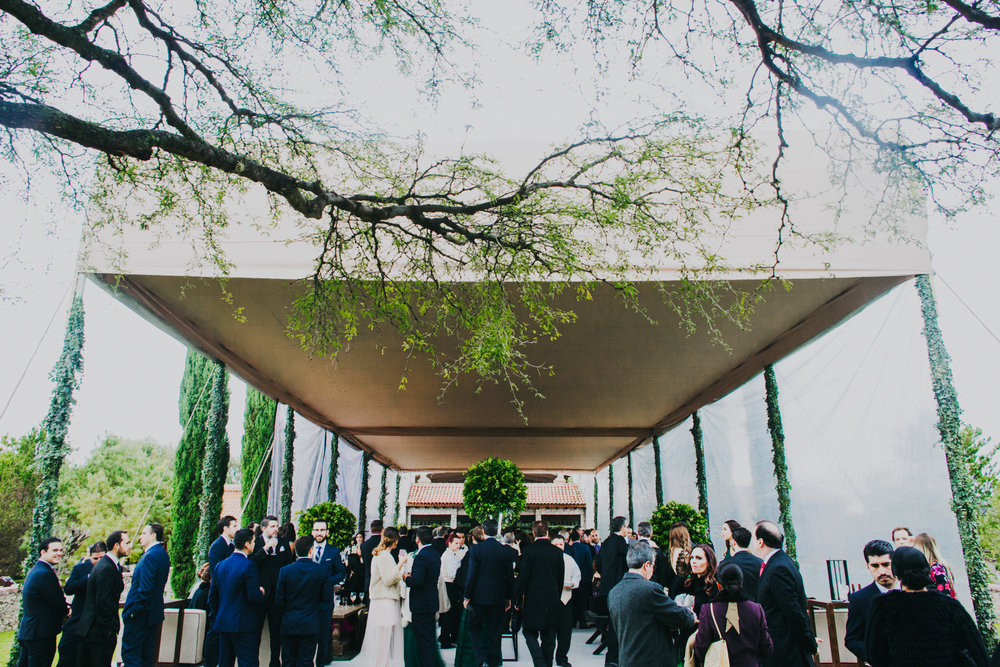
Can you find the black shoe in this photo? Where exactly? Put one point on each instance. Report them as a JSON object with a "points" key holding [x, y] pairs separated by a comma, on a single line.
{"points": [[448, 645]]}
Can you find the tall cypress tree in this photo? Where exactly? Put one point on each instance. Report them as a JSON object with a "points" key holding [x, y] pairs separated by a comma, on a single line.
{"points": [[193, 407], [258, 431], [216, 463]]}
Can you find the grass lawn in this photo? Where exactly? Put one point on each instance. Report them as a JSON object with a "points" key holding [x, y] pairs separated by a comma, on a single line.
{"points": [[6, 639]]}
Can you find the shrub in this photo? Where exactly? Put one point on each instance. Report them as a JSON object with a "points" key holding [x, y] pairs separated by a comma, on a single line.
{"points": [[492, 487], [340, 520], [672, 512]]}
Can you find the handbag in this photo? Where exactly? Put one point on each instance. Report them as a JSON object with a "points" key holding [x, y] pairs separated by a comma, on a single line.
{"points": [[717, 654]]}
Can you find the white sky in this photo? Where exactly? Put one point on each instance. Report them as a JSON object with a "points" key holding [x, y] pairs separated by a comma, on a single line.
{"points": [[133, 370]]}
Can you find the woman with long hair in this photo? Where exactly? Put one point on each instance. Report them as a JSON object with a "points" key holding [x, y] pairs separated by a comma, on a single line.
{"points": [[940, 572], [729, 546], [354, 586], [918, 626], [700, 582], [679, 543], [740, 621], [383, 646]]}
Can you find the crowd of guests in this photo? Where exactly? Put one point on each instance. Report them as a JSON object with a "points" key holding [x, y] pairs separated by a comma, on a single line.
{"points": [[442, 588]]}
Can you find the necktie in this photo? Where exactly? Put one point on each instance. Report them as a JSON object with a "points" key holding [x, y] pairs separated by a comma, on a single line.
{"points": [[319, 553], [761, 569]]}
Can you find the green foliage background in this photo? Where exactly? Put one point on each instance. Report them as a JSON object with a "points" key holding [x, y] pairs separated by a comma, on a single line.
{"points": [[672, 512], [258, 430], [494, 486], [216, 463], [340, 520], [18, 480], [193, 408]]}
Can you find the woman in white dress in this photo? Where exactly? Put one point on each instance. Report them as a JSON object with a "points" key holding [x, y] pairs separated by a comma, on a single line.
{"points": [[383, 645]]}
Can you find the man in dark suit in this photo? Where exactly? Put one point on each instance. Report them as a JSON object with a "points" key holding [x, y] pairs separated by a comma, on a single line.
{"points": [[76, 586], [878, 560], [406, 542], [539, 582], [43, 607], [234, 596], [580, 553], [783, 598], [367, 548], [610, 563], [643, 617], [99, 622], [328, 557], [143, 610], [270, 554], [423, 583], [439, 539], [220, 550], [302, 588], [663, 574], [489, 589], [748, 563]]}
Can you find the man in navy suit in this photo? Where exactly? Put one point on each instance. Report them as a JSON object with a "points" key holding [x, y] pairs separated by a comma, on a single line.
{"points": [[303, 587], [749, 564], [220, 550], [878, 559], [143, 610], [489, 589], [44, 607], [235, 597], [328, 556], [99, 622], [423, 583], [783, 598], [76, 586], [270, 554]]}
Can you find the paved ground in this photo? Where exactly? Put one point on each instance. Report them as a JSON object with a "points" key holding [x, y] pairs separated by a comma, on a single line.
{"points": [[580, 654]]}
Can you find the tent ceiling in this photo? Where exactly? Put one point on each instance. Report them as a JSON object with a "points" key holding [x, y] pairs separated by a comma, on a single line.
{"points": [[618, 378]]}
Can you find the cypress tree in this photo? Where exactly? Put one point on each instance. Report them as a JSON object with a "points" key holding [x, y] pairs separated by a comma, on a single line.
{"points": [[255, 457], [193, 408], [288, 468], [216, 463]]}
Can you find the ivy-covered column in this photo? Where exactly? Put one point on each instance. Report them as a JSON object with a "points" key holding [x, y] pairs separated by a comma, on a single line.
{"points": [[963, 502], [611, 492], [363, 510], [658, 472], [255, 457], [399, 501], [382, 494], [216, 465], [699, 466], [288, 467], [331, 484], [631, 505], [782, 486], [594, 515], [52, 451]]}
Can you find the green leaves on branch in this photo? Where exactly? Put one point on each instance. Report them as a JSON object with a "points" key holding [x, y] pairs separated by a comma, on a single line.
{"points": [[493, 488], [674, 512]]}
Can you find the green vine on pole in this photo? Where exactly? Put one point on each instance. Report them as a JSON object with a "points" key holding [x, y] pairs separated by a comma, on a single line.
{"points": [[216, 464], [363, 510], [52, 451], [631, 507], [782, 485], [611, 492], [399, 506], [382, 493], [658, 472], [699, 465], [331, 484], [963, 503], [288, 467], [595, 501]]}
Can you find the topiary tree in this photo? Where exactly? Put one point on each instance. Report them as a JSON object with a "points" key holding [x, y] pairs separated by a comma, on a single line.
{"points": [[340, 520], [494, 487], [672, 512]]}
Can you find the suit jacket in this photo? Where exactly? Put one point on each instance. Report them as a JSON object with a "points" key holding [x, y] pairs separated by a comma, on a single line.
{"points": [[235, 594], [540, 580], [406, 544], [104, 589], [367, 548], [219, 551], [268, 565], [149, 578], [44, 606], [611, 563], [490, 575], [743, 647], [750, 565], [76, 586], [333, 567], [645, 621], [783, 598], [858, 605], [440, 545], [303, 588], [584, 560], [423, 582]]}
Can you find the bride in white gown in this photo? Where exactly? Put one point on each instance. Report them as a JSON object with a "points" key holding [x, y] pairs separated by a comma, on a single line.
{"points": [[383, 645]]}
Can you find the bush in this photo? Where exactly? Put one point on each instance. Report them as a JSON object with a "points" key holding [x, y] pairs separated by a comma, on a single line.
{"points": [[672, 512], [492, 487], [340, 520]]}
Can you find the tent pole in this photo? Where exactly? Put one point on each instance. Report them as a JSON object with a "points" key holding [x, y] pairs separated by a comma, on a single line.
{"points": [[331, 484], [699, 467], [963, 502], [366, 457], [782, 486], [657, 471], [631, 507]]}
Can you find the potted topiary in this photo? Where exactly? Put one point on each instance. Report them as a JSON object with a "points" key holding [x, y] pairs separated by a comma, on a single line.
{"points": [[494, 488], [340, 520], [673, 512]]}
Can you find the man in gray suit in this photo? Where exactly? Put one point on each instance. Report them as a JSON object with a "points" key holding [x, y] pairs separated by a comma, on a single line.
{"points": [[642, 615]]}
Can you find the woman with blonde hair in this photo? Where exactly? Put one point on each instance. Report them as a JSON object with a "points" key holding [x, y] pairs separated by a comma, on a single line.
{"points": [[383, 645], [940, 572], [680, 544]]}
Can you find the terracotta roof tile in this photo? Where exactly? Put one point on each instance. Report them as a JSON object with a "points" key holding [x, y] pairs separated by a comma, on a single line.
{"points": [[450, 495], [231, 501]]}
